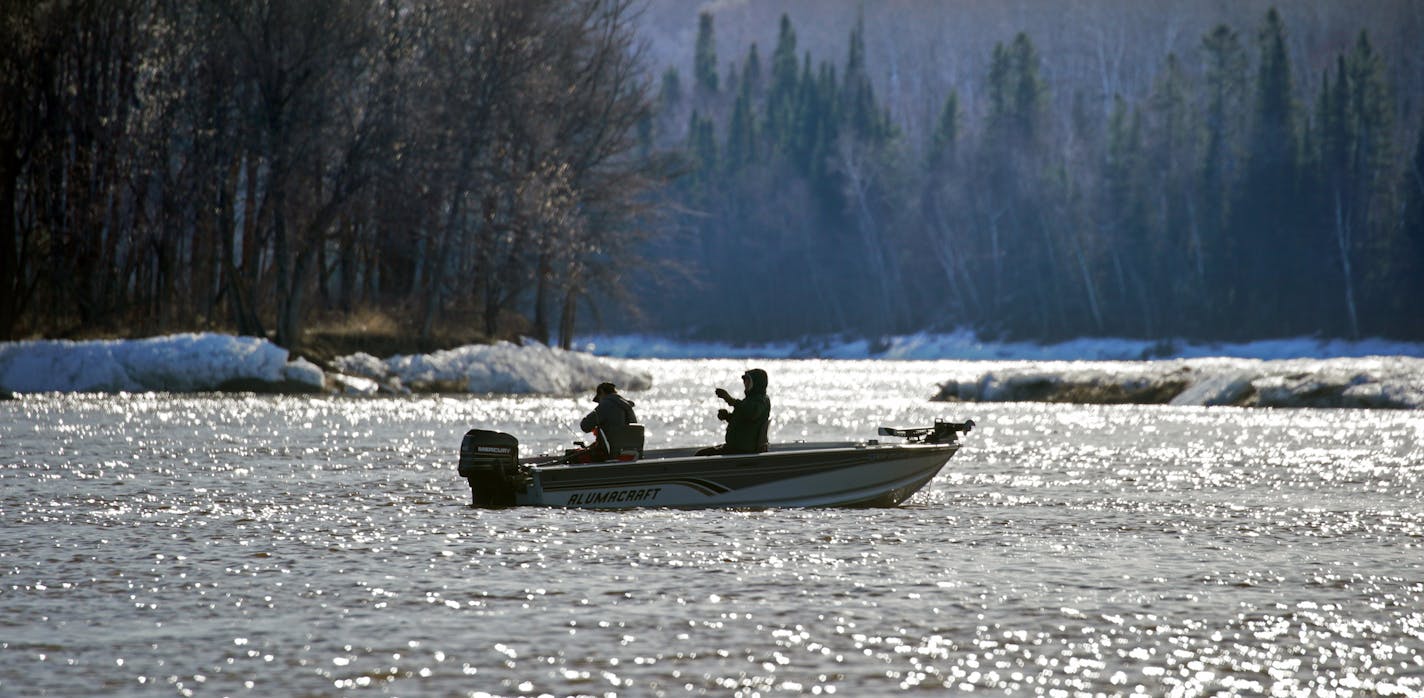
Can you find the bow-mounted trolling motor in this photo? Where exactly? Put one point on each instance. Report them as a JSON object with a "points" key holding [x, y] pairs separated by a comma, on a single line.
{"points": [[940, 433], [490, 461]]}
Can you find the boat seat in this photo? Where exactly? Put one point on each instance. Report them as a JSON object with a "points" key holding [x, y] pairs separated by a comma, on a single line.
{"points": [[633, 438], [629, 447]]}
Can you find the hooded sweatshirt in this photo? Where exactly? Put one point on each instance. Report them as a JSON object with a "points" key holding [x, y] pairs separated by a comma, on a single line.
{"points": [[750, 415]]}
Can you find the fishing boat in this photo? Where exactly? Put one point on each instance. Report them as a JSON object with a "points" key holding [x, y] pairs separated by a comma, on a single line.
{"points": [[865, 473]]}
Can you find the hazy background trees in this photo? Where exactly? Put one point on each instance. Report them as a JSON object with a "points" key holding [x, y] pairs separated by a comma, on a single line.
{"points": [[1159, 169], [467, 167]]}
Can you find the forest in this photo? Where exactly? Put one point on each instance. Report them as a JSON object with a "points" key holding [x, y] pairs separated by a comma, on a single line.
{"points": [[459, 169], [540, 168], [1221, 201]]}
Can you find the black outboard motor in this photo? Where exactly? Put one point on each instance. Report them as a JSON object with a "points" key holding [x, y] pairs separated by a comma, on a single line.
{"points": [[490, 461]]}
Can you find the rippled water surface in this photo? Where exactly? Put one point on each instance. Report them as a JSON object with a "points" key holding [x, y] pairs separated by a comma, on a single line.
{"points": [[217, 545]]}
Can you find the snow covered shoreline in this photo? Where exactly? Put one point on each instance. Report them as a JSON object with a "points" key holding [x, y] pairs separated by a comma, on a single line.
{"points": [[1380, 382], [1281, 373], [217, 362]]}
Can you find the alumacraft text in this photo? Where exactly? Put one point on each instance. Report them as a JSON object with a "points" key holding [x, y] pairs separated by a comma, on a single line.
{"points": [[618, 496]]}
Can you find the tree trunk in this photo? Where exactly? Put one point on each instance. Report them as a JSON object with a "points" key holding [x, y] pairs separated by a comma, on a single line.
{"points": [[566, 319], [541, 298], [12, 293], [1343, 236]]}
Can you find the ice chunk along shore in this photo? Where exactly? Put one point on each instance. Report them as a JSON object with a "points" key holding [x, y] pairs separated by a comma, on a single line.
{"points": [[1392, 382], [503, 367], [175, 363], [207, 362]]}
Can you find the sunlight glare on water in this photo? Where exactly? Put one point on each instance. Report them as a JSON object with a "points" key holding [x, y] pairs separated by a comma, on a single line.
{"points": [[218, 545]]}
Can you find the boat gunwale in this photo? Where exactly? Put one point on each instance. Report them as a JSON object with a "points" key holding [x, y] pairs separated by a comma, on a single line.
{"points": [[689, 454]]}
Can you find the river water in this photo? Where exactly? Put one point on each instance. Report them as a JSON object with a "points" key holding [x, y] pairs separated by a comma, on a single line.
{"points": [[255, 545]]}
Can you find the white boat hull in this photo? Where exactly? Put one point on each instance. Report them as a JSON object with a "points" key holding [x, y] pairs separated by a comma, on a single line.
{"points": [[850, 474]]}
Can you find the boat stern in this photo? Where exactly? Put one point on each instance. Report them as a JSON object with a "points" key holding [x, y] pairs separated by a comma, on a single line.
{"points": [[489, 460]]}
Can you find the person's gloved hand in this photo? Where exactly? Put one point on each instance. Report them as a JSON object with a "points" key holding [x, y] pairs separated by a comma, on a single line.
{"points": [[724, 394], [723, 415]]}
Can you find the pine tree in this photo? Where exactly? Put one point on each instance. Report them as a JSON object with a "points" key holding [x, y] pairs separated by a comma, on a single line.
{"points": [[1029, 98], [702, 143], [781, 96], [751, 74], [1123, 183], [670, 94], [861, 113], [741, 134], [1409, 289], [1365, 187], [1278, 268], [705, 58], [1176, 240], [1225, 90], [1017, 101], [946, 134], [808, 121], [1273, 144]]}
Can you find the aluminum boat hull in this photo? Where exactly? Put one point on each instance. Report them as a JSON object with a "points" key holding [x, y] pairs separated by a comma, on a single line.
{"points": [[840, 474], [837, 476]]}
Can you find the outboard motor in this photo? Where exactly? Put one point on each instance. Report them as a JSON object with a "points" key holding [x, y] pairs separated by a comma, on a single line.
{"points": [[490, 461]]}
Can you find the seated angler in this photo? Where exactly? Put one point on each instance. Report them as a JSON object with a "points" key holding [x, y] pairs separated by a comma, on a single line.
{"points": [[611, 418]]}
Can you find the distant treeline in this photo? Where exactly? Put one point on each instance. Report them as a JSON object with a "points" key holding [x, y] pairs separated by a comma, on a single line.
{"points": [[501, 167], [252, 164], [1227, 204]]}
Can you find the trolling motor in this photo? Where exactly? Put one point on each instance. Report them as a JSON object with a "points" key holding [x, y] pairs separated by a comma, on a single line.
{"points": [[940, 433], [490, 461]]}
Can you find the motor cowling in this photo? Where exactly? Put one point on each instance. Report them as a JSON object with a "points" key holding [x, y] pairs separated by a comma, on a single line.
{"points": [[489, 460]]}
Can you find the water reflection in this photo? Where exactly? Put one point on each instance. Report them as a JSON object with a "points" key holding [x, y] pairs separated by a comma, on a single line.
{"points": [[217, 545]]}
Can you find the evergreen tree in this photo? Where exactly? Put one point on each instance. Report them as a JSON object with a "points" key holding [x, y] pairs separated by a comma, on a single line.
{"points": [[704, 61], [1277, 268], [751, 74], [1124, 179], [741, 134], [808, 122], [1012, 191], [702, 143], [861, 113], [781, 96], [1409, 289], [1016, 94], [1273, 137], [1225, 71], [946, 133], [1364, 188], [1176, 246], [1029, 96], [670, 93]]}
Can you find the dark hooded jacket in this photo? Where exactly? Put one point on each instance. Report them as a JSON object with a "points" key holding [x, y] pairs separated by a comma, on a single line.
{"points": [[612, 417], [747, 424]]}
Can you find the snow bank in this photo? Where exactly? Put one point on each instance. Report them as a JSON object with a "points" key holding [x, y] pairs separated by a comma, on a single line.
{"points": [[528, 368], [206, 362], [178, 363], [1369, 382], [1338, 377], [964, 344]]}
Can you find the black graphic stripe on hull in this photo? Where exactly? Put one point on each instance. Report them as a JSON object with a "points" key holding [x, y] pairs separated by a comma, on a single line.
{"points": [[706, 487]]}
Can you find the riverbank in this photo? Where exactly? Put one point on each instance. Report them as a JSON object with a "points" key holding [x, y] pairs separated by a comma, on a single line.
{"points": [[1279, 373], [210, 362]]}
